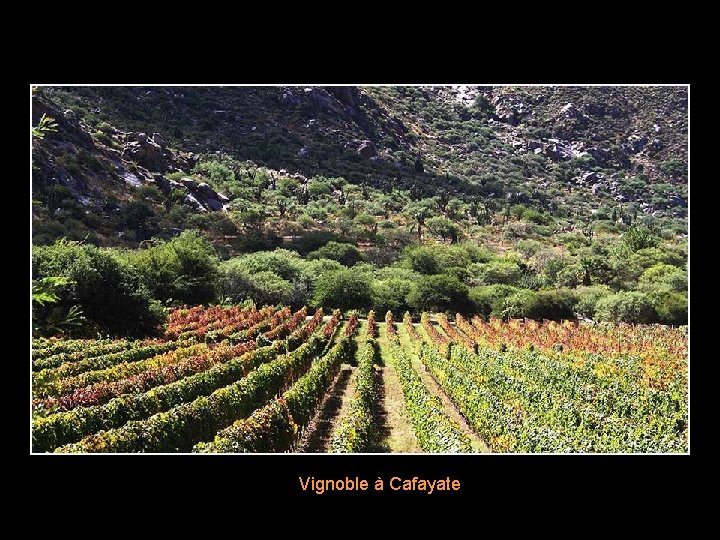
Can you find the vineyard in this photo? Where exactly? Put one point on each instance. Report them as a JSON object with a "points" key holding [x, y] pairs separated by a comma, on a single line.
{"points": [[233, 379]]}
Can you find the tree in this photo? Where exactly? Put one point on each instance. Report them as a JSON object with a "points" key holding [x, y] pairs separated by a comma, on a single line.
{"points": [[439, 293], [283, 262], [367, 221], [490, 299], [637, 238], [184, 269], [343, 289], [109, 292], [671, 307], [138, 217], [345, 254], [318, 188], [444, 228], [495, 272], [219, 174], [422, 259], [554, 304], [48, 317], [391, 294], [269, 288], [252, 218], [663, 278], [588, 297], [631, 307], [666, 286]]}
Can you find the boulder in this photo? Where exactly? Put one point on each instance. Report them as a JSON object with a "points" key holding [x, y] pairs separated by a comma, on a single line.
{"points": [[69, 114], [635, 144], [656, 144], [289, 99], [304, 152], [158, 139], [214, 204], [589, 177], [676, 200], [532, 145], [558, 151], [192, 201], [569, 111], [189, 183], [594, 109], [205, 190], [162, 183], [146, 153], [507, 115], [367, 150], [344, 94]]}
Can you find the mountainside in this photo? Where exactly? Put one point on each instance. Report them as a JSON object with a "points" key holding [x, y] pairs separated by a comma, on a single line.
{"points": [[505, 201], [575, 152]]}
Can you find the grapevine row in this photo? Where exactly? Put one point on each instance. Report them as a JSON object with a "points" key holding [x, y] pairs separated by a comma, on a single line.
{"points": [[353, 434], [181, 427], [277, 426], [435, 431]]}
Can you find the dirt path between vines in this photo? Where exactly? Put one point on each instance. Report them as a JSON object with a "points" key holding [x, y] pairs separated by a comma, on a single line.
{"points": [[319, 432], [394, 429], [478, 445]]}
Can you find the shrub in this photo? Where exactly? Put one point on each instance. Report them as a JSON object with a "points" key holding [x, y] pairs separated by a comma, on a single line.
{"points": [[495, 272], [183, 269], [311, 241], [345, 254], [489, 300], [439, 293], [556, 304], [588, 298], [285, 263], [105, 287], [391, 294], [343, 289], [671, 307], [631, 307]]}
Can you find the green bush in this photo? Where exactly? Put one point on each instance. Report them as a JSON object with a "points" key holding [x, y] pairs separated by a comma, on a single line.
{"points": [[490, 299], [285, 263], [183, 269], [495, 273], [630, 307], [343, 289], [109, 292], [663, 278], [439, 293], [671, 307], [312, 241], [391, 294], [588, 297], [345, 254], [555, 305]]}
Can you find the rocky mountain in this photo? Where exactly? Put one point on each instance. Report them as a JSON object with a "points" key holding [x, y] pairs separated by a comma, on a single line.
{"points": [[125, 158]]}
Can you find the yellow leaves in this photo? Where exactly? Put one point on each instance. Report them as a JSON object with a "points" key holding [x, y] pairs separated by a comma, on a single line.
{"points": [[502, 443], [607, 370]]}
